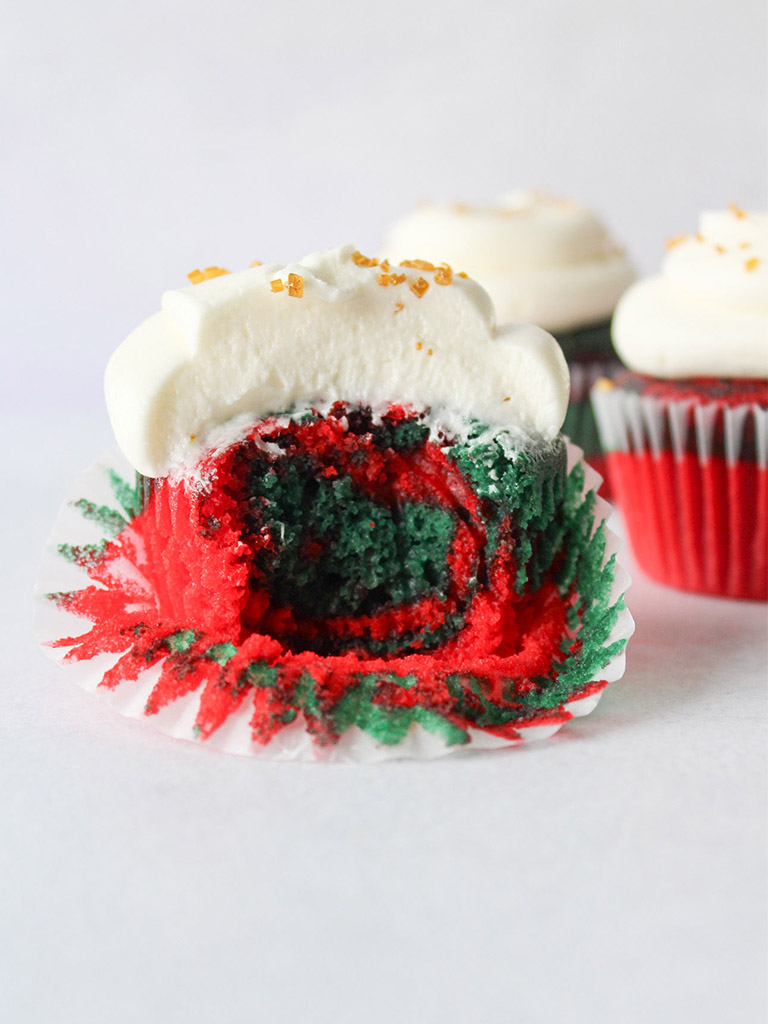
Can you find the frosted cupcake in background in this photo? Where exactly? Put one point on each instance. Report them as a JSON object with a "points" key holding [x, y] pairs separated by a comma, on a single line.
{"points": [[686, 426], [543, 260]]}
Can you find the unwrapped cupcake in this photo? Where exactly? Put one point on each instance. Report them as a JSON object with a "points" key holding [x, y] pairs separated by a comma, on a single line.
{"points": [[543, 260], [686, 426], [344, 523]]}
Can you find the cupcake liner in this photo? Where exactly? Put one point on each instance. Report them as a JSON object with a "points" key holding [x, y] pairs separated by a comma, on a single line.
{"points": [[692, 483], [84, 526], [580, 425]]}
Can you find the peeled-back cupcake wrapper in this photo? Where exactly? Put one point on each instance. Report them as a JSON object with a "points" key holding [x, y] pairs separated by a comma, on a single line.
{"points": [[692, 482], [89, 520]]}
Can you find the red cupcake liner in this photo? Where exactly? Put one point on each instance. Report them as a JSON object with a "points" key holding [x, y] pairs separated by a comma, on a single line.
{"points": [[691, 480]]}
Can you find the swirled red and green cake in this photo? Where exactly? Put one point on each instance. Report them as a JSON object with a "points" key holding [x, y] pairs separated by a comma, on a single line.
{"points": [[367, 576]]}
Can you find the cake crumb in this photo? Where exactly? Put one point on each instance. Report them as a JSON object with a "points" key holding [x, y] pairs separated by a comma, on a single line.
{"points": [[295, 285], [419, 286], [205, 275], [443, 274], [276, 285]]}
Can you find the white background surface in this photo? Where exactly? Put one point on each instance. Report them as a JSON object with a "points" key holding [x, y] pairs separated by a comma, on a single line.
{"points": [[616, 873]]}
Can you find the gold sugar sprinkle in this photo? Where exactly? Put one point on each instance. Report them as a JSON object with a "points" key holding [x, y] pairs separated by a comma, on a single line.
{"points": [[205, 275], [276, 285], [752, 264], [398, 307], [744, 245], [295, 285], [387, 279], [462, 274], [508, 399], [719, 248], [256, 263], [443, 274], [429, 351], [736, 210], [603, 384], [672, 242], [699, 237], [385, 266], [419, 287], [364, 261], [419, 346], [418, 264]]}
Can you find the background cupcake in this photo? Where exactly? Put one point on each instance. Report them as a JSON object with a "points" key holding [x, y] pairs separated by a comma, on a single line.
{"points": [[686, 427], [543, 260]]}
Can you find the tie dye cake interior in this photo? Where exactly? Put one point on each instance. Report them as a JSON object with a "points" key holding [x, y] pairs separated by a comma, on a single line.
{"points": [[355, 552]]}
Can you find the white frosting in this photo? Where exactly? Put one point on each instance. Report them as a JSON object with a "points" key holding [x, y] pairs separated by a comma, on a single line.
{"points": [[231, 347], [542, 260], [706, 314]]}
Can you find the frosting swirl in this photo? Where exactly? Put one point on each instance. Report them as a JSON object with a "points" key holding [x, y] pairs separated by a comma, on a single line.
{"points": [[706, 314], [238, 347], [542, 260]]}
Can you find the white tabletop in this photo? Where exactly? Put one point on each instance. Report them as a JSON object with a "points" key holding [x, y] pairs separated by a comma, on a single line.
{"points": [[614, 873]]}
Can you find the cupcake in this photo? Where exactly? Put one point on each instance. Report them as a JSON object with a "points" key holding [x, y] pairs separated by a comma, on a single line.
{"points": [[343, 524], [542, 260], [686, 425]]}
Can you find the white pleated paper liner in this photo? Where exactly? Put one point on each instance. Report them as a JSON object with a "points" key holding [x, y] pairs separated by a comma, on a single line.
{"points": [[692, 483], [585, 375], [292, 743]]}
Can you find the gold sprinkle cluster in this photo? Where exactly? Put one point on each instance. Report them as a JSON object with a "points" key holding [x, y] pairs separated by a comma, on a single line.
{"points": [[205, 275], [442, 274], [295, 285], [750, 264]]}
